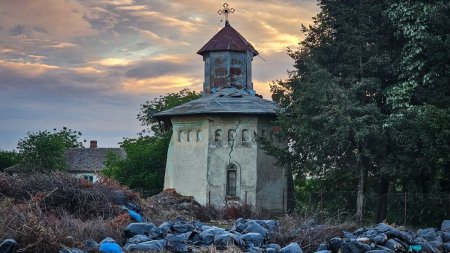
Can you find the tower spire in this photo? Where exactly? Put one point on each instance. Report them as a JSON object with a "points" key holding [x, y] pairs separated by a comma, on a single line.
{"points": [[225, 11]]}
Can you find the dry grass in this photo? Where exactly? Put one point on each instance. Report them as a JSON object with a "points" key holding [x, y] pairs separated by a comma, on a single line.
{"points": [[43, 213]]}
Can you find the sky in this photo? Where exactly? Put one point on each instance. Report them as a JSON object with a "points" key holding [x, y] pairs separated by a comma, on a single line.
{"points": [[89, 64]]}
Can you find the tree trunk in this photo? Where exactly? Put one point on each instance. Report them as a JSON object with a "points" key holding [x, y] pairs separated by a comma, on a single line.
{"points": [[360, 196], [382, 201]]}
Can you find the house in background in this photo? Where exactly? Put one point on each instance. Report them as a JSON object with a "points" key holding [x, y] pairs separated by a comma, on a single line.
{"points": [[87, 163]]}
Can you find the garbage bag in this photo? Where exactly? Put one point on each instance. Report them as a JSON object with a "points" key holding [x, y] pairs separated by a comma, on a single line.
{"points": [[371, 233], [291, 248], [403, 236], [133, 206], [270, 225], [118, 197], [152, 246], [349, 235], [222, 240], [335, 244], [141, 228], [273, 246], [181, 226], [8, 246], [380, 239], [428, 247], [90, 245], [379, 247], [252, 249], [176, 243], [414, 248], [253, 239], [377, 251], [110, 247], [166, 227], [322, 246], [446, 247], [239, 225], [394, 245], [436, 244], [429, 233], [445, 226], [135, 216], [353, 246], [254, 227], [156, 233], [207, 237], [383, 227], [323, 251], [138, 239], [71, 250], [446, 236]]}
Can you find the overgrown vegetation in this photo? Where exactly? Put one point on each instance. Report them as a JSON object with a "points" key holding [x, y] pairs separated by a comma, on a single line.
{"points": [[144, 165], [367, 107], [43, 151]]}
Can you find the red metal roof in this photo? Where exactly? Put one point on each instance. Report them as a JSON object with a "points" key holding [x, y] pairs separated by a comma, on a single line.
{"points": [[227, 39]]}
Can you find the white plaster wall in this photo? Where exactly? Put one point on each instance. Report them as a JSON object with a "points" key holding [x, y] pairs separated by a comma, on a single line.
{"points": [[187, 157], [272, 180], [243, 155]]}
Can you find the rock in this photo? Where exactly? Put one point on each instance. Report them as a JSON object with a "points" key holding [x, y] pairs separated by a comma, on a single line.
{"points": [[8, 246]]}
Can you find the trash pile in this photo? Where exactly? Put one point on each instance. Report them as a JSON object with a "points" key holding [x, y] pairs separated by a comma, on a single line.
{"points": [[384, 238], [182, 236]]}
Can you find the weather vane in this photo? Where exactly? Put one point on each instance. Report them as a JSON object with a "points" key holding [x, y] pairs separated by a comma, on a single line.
{"points": [[225, 11]]}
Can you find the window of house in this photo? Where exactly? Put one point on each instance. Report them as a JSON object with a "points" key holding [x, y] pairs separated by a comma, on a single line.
{"points": [[89, 178], [231, 180]]}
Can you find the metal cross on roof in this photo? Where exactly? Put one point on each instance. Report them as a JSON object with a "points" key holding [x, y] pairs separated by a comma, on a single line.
{"points": [[225, 11]]}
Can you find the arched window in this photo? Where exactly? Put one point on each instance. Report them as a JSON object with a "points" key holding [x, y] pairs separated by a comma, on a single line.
{"points": [[231, 180], [190, 136], [231, 135], [245, 135], [181, 135], [218, 135], [199, 135]]}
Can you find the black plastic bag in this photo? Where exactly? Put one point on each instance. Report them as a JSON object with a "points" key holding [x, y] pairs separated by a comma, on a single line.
{"points": [[177, 243], [353, 246], [291, 248], [153, 246], [138, 239], [139, 228], [8, 246], [253, 239]]}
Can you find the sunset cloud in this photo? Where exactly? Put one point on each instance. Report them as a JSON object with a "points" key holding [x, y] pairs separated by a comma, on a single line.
{"points": [[86, 63]]}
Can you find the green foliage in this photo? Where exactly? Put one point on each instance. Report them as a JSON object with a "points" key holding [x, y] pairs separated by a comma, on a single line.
{"points": [[8, 158], [145, 162], [369, 98], [160, 104], [43, 151]]}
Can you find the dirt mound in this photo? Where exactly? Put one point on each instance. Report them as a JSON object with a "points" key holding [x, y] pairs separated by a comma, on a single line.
{"points": [[169, 204]]}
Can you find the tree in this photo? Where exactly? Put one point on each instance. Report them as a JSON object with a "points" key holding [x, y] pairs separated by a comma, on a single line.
{"points": [[368, 100], [7, 159], [145, 162], [44, 150]]}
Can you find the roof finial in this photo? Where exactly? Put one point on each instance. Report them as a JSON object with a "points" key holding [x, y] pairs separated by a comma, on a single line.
{"points": [[225, 11]]}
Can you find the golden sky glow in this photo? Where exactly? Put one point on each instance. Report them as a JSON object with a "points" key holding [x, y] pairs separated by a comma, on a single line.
{"points": [[81, 63]]}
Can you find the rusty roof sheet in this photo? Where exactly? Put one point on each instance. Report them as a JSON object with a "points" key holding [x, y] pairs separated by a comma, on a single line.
{"points": [[225, 101], [227, 39], [89, 159]]}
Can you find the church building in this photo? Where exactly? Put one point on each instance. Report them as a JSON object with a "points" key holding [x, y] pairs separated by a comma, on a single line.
{"points": [[213, 153]]}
